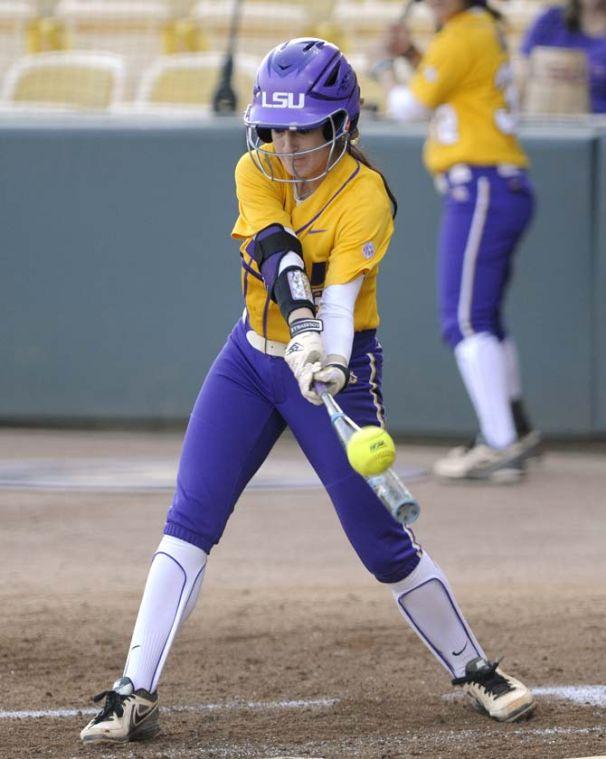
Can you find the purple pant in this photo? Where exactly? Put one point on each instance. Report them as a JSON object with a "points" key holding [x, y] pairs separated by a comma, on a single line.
{"points": [[246, 402], [485, 215]]}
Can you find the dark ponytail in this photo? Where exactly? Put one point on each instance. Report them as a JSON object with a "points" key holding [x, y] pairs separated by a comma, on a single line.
{"points": [[497, 15], [572, 15], [356, 153]]}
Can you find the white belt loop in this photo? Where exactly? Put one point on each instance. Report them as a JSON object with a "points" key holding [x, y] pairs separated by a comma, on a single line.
{"points": [[441, 183], [460, 173], [508, 170], [269, 347]]}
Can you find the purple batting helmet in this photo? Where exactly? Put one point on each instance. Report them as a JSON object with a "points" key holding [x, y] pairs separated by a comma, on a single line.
{"points": [[302, 84]]}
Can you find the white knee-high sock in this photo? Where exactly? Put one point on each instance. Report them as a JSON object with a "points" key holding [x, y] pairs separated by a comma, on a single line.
{"points": [[481, 363], [427, 603], [170, 594], [512, 368]]}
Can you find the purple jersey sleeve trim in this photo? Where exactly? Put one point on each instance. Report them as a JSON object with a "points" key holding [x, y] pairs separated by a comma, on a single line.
{"points": [[249, 270]]}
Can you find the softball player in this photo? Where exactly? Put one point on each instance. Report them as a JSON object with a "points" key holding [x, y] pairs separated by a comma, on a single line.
{"points": [[464, 83], [315, 221]]}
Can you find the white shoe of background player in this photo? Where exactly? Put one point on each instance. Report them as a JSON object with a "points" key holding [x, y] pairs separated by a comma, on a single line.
{"points": [[127, 715], [494, 692], [481, 462]]}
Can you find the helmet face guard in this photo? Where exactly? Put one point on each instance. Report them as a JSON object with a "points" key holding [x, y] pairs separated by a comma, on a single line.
{"points": [[336, 132], [302, 84]]}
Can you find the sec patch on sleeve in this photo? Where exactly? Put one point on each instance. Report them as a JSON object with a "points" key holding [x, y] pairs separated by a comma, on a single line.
{"points": [[368, 250]]}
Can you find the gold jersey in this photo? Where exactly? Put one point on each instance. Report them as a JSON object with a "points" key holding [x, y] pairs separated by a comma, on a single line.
{"points": [[344, 227], [465, 78]]}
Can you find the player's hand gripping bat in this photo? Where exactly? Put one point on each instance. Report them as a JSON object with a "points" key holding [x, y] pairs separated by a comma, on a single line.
{"points": [[389, 488]]}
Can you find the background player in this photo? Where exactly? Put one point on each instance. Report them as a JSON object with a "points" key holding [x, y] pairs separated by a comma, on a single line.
{"points": [[313, 216], [464, 82]]}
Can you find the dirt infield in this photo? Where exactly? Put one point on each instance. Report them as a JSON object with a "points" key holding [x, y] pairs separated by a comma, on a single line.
{"points": [[293, 649]]}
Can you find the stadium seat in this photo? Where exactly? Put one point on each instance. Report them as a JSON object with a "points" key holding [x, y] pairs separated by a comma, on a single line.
{"points": [[184, 35], [133, 29], [65, 80], [190, 80], [364, 22], [14, 19], [263, 24]]}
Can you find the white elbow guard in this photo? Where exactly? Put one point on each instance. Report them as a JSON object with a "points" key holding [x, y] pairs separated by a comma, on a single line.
{"points": [[404, 106]]}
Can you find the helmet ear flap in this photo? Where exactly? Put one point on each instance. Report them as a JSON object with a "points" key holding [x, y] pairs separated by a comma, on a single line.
{"points": [[264, 134], [340, 123]]}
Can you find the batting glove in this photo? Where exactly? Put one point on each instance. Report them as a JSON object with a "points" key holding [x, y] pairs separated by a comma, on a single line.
{"points": [[334, 375], [305, 353]]}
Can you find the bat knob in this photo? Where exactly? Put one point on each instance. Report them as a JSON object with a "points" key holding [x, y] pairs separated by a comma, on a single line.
{"points": [[407, 513]]}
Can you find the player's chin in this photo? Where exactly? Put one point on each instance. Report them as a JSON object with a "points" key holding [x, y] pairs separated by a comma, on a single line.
{"points": [[290, 167], [306, 169]]}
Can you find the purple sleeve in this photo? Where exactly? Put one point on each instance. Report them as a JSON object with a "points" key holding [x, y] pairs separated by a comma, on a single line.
{"points": [[541, 31]]}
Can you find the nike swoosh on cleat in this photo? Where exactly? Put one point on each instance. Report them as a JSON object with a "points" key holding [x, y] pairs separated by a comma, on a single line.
{"points": [[458, 653], [138, 716]]}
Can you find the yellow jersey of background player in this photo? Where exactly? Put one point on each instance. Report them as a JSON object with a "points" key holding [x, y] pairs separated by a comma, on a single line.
{"points": [[465, 79]]}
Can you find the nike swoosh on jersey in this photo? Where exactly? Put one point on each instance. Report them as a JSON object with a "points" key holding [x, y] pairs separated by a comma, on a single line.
{"points": [[315, 231]]}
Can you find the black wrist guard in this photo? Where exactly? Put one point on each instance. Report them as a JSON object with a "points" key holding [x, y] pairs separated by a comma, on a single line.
{"points": [[345, 370], [292, 290], [305, 325]]}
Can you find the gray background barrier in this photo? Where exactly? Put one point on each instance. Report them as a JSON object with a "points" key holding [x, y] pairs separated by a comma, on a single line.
{"points": [[600, 287], [120, 281]]}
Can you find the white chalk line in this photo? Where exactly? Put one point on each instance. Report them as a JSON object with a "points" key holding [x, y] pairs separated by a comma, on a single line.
{"points": [[141, 475], [444, 737], [538, 731], [592, 695], [585, 695], [314, 703]]}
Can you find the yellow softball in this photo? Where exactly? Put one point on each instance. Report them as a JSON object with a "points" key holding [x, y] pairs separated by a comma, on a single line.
{"points": [[370, 451]]}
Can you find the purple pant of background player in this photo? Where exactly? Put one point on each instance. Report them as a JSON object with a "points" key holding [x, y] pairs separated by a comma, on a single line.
{"points": [[485, 214], [246, 402]]}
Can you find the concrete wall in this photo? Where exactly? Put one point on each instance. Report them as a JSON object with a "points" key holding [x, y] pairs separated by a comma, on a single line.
{"points": [[119, 279], [599, 301], [550, 304]]}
